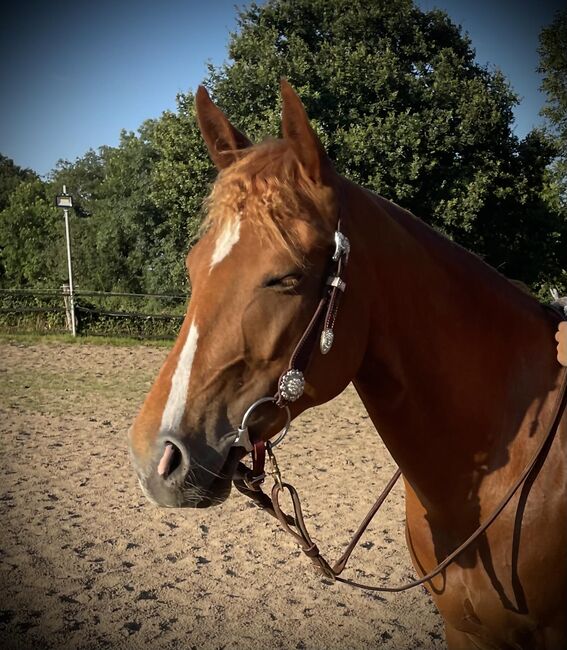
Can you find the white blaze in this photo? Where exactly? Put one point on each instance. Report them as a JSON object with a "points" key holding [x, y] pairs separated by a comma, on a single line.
{"points": [[177, 399], [225, 241]]}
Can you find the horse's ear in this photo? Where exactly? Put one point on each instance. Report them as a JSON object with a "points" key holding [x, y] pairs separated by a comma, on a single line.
{"points": [[223, 140], [302, 137]]}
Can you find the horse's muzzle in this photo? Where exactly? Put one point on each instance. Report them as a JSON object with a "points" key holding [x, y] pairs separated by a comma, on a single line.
{"points": [[164, 482], [175, 479]]}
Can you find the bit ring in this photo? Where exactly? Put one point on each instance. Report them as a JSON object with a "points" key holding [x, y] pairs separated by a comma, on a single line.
{"points": [[257, 403]]}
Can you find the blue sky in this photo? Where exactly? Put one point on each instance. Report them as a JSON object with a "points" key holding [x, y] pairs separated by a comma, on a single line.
{"points": [[73, 74]]}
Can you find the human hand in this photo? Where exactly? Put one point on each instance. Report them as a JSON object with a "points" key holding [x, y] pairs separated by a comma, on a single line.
{"points": [[561, 338]]}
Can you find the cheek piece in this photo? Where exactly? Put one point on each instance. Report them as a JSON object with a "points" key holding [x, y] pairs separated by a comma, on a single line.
{"points": [[291, 383]]}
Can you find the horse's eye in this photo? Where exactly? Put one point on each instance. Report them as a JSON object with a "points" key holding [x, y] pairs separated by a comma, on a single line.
{"points": [[289, 281]]}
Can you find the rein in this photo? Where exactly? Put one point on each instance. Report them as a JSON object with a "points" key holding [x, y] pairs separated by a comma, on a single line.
{"points": [[290, 388], [307, 545]]}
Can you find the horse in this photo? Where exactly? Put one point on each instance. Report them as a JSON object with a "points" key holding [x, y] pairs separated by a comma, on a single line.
{"points": [[455, 366]]}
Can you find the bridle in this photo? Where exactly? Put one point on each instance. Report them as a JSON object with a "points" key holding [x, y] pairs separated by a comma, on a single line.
{"points": [[291, 385]]}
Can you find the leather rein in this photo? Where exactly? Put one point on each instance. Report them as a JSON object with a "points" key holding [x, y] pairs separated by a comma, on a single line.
{"points": [[290, 388]]}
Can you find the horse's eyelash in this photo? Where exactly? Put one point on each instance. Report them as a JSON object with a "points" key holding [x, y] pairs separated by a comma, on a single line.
{"points": [[275, 281]]}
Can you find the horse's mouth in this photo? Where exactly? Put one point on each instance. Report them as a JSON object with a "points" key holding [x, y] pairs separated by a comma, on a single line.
{"points": [[216, 491], [206, 481]]}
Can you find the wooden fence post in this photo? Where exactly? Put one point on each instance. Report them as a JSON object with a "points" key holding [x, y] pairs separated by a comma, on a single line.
{"points": [[68, 311]]}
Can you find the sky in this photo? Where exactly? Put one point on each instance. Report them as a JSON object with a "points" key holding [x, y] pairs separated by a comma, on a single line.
{"points": [[73, 74]]}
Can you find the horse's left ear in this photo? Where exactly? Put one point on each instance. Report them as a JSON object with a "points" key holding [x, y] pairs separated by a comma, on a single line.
{"points": [[302, 137], [223, 140]]}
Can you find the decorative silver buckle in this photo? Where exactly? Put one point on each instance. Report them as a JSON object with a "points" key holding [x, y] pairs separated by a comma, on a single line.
{"points": [[326, 342], [342, 246], [292, 385]]}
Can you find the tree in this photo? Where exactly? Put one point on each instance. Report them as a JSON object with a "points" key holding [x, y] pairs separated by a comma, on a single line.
{"points": [[180, 180], [402, 107], [114, 245], [398, 100], [143, 199], [11, 175], [553, 68], [31, 233]]}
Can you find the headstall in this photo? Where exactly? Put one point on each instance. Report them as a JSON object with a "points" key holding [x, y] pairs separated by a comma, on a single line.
{"points": [[291, 383]]}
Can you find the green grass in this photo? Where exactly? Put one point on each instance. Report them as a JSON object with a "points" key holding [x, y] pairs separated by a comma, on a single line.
{"points": [[55, 391], [34, 339], [28, 386]]}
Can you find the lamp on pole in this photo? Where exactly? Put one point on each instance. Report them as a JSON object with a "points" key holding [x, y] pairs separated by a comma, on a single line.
{"points": [[65, 201]]}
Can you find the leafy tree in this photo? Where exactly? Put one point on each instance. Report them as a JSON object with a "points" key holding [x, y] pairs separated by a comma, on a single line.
{"points": [[82, 179], [143, 201], [180, 179], [404, 109], [113, 245], [31, 235], [397, 98], [11, 175], [553, 68]]}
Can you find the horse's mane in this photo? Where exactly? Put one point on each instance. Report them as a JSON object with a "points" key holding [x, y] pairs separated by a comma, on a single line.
{"points": [[268, 187]]}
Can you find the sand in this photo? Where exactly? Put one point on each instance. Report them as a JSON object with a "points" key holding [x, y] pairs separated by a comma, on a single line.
{"points": [[87, 562]]}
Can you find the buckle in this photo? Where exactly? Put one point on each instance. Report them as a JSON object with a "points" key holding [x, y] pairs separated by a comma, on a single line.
{"points": [[335, 281], [342, 246]]}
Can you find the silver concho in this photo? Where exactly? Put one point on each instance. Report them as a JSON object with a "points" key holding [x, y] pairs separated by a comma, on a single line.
{"points": [[326, 342], [342, 246], [292, 385]]}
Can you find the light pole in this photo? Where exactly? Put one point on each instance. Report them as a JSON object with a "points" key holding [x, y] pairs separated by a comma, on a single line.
{"points": [[65, 201]]}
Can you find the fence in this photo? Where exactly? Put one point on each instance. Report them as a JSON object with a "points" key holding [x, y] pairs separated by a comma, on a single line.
{"points": [[96, 312]]}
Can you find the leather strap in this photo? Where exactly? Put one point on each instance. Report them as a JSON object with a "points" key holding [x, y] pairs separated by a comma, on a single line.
{"points": [[324, 317], [305, 542]]}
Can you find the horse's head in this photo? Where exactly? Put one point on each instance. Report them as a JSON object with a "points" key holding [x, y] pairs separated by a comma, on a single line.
{"points": [[257, 276]]}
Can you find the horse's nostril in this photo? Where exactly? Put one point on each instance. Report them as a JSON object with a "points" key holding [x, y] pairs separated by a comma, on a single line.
{"points": [[170, 460]]}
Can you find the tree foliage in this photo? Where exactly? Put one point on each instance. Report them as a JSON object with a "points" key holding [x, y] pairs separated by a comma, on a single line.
{"points": [[30, 234], [553, 68], [11, 175], [404, 109]]}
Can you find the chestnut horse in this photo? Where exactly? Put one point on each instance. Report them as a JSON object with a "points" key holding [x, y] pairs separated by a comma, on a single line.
{"points": [[455, 365]]}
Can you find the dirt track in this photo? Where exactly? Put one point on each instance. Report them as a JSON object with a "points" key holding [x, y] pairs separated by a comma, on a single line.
{"points": [[87, 562]]}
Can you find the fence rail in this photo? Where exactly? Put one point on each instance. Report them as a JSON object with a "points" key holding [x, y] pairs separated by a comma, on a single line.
{"points": [[78, 292], [36, 309], [127, 314], [33, 310]]}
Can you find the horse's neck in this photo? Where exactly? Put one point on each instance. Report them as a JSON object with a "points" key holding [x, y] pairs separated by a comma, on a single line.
{"points": [[456, 354]]}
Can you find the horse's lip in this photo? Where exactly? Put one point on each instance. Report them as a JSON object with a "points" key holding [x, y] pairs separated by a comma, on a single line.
{"points": [[230, 464], [219, 489]]}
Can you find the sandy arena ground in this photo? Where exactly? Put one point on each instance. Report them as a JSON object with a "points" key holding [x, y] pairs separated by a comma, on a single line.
{"points": [[87, 562]]}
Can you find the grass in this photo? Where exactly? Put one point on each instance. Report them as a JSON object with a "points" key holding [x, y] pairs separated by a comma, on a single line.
{"points": [[57, 392], [36, 379], [34, 339]]}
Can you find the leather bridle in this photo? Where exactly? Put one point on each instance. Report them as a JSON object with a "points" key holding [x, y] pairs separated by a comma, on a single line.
{"points": [[291, 385]]}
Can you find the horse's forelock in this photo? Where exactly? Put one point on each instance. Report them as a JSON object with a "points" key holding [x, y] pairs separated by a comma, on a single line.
{"points": [[267, 187]]}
